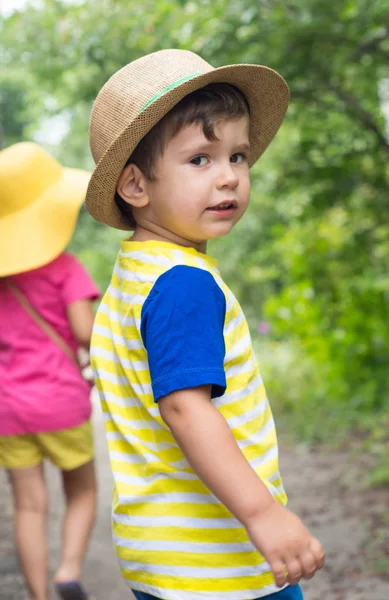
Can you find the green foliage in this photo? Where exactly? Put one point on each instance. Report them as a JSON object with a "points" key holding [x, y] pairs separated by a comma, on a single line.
{"points": [[312, 254], [295, 387], [18, 107], [96, 247]]}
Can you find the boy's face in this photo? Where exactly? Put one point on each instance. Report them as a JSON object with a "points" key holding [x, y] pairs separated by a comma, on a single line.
{"points": [[201, 188]]}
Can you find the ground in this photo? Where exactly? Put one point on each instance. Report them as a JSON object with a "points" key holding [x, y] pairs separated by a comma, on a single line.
{"points": [[325, 488]]}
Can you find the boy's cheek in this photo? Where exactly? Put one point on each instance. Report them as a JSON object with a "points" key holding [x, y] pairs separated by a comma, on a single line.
{"points": [[244, 207], [246, 195]]}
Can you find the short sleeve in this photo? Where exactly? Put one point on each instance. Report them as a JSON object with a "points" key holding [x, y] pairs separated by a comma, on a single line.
{"points": [[182, 329], [77, 284]]}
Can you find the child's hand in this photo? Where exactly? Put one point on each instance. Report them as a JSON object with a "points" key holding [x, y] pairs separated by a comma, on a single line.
{"points": [[291, 551]]}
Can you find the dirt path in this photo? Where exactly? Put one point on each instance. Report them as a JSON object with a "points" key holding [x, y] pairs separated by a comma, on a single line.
{"points": [[326, 490], [323, 488]]}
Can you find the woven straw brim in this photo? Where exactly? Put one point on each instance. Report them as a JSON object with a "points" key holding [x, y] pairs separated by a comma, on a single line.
{"points": [[267, 95], [34, 236]]}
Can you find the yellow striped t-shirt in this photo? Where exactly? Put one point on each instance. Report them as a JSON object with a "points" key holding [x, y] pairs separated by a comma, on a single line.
{"points": [[173, 538]]}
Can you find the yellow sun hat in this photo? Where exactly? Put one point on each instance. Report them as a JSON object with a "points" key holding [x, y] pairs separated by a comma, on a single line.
{"points": [[39, 205]]}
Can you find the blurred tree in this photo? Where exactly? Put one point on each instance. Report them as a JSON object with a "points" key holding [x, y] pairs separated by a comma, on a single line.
{"points": [[18, 107]]}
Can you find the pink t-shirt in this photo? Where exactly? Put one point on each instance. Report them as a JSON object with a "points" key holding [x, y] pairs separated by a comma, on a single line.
{"points": [[41, 389]]}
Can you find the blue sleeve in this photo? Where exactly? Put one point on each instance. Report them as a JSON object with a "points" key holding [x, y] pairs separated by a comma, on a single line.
{"points": [[182, 329]]}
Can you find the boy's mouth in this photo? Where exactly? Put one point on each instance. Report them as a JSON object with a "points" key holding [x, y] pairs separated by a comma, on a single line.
{"points": [[225, 205]]}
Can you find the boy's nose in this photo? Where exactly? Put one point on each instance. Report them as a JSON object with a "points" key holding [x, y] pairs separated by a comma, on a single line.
{"points": [[227, 177]]}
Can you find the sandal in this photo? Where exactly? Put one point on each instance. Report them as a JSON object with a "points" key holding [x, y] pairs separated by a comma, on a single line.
{"points": [[71, 590]]}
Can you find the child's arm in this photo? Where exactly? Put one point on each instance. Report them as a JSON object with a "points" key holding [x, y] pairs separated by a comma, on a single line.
{"points": [[209, 446], [81, 317]]}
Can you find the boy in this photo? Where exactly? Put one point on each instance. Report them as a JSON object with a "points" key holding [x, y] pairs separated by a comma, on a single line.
{"points": [[198, 509]]}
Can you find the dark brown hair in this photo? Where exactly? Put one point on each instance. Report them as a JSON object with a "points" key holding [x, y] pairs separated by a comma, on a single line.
{"points": [[208, 105]]}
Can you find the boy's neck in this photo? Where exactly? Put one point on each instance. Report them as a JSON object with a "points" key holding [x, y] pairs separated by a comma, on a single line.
{"points": [[141, 234]]}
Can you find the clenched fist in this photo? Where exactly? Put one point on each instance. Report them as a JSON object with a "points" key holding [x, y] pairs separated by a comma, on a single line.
{"points": [[291, 551]]}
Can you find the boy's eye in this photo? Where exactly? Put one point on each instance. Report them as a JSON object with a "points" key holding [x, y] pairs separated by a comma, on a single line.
{"points": [[239, 157], [199, 161]]}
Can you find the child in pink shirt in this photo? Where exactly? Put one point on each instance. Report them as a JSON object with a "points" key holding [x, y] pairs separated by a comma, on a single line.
{"points": [[44, 399], [41, 389]]}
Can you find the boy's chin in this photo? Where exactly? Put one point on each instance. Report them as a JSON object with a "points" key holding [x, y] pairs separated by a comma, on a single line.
{"points": [[221, 230]]}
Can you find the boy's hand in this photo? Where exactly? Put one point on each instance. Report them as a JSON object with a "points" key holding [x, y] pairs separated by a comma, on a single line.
{"points": [[291, 551]]}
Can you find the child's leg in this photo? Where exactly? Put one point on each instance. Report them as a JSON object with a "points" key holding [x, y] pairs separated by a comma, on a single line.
{"points": [[31, 502], [80, 491]]}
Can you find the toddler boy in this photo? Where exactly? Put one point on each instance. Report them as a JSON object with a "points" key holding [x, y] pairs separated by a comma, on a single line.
{"points": [[199, 506]]}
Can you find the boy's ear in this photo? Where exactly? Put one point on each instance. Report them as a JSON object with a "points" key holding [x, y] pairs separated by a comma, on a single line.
{"points": [[132, 186]]}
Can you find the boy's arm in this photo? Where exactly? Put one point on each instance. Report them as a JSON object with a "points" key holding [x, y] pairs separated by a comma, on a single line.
{"points": [[209, 446]]}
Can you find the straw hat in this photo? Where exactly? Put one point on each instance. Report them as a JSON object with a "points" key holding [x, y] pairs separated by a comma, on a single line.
{"points": [[135, 98], [39, 204]]}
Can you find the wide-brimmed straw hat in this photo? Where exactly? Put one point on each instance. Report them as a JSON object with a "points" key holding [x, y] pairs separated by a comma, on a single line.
{"points": [[135, 98], [39, 204]]}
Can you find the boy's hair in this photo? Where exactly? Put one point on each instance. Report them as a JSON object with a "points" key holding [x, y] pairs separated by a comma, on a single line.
{"points": [[207, 106]]}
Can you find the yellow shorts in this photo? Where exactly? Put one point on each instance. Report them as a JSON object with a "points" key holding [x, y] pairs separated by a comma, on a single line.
{"points": [[67, 449]]}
